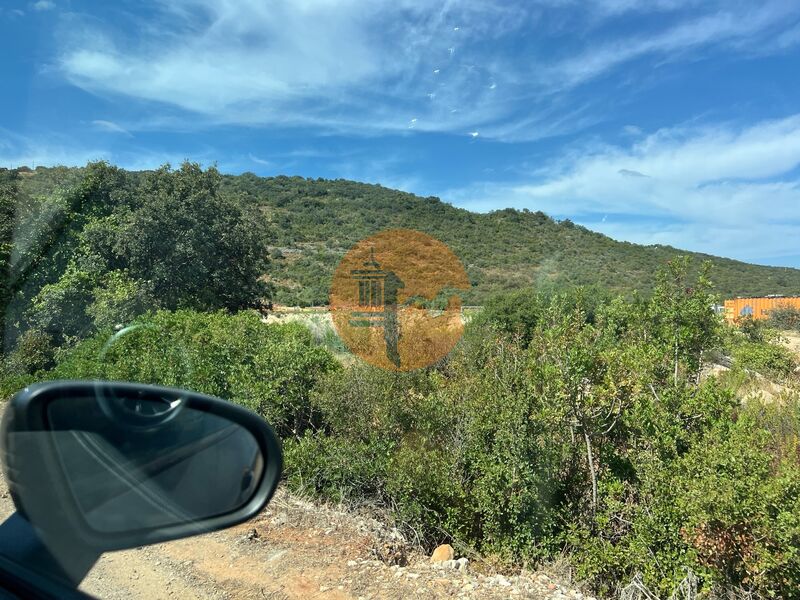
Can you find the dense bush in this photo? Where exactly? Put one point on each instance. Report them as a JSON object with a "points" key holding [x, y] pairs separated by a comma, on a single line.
{"points": [[582, 431], [268, 368], [8, 195], [785, 317], [764, 358], [756, 349], [587, 430], [35, 351]]}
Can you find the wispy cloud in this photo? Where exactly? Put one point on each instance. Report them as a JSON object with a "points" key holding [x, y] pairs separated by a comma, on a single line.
{"points": [[261, 161], [740, 27], [50, 155], [372, 67], [109, 126], [54, 149], [12, 13], [43, 5], [722, 189]]}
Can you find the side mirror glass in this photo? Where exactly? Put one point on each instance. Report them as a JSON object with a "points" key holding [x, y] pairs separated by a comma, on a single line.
{"points": [[122, 465]]}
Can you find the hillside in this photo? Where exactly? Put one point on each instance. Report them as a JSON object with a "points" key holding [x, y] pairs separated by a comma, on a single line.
{"points": [[315, 221]]}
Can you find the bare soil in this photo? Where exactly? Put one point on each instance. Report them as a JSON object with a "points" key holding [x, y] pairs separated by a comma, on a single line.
{"points": [[296, 549]]}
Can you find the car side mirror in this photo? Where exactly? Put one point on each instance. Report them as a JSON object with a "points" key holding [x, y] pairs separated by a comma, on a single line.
{"points": [[120, 465]]}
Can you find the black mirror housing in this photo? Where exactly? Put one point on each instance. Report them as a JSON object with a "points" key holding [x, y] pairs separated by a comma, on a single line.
{"points": [[120, 465]]}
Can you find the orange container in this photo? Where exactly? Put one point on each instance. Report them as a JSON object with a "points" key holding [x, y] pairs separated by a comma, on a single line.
{"points": [[758, 308]]}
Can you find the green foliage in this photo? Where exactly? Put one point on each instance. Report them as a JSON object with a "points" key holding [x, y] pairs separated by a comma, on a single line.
{"points": [[726, 507], [565, 420], [742, 506], [316, 221], [59, 309], [268, 368], [550, 430], [764, 358], [380, 436], [35, 351], [313, 222], [48, 229], [755, 347], [195, 245], [8, 195], [681, 312], [515, 314], [335, 467], [108, 245], [118, 300], [755, 330], [785, 317]]}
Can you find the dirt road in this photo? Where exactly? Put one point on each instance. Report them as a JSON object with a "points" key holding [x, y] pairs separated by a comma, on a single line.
{"points": [[293, 550]]}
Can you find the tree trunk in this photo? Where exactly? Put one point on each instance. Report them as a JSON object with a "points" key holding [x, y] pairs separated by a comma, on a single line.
{"points": [[592, 474], [676, 362]]}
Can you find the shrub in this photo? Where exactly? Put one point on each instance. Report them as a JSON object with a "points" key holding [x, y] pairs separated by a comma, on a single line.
{"points": [[35, 351], [785, 317], [553, 430], [60, 308], [268, 368], [118, 300], [743, 504], [336, 467], [765, 358]]}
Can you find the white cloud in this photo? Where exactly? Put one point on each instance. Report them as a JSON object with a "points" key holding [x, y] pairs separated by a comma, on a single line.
{"points": [[51, 149], [726, 190], [109, 126], [370, 67], [261, 161], [740, 27], [43, 5]]}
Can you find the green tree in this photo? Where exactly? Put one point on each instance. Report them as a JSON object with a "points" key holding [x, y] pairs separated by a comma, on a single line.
{"points": [[118, 300], [681, 310], [8, 199], [198, 248], [47, 238], [60, 309]]}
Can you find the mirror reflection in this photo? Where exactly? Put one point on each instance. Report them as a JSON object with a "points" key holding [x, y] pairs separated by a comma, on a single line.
{"points": [[136, 463]]}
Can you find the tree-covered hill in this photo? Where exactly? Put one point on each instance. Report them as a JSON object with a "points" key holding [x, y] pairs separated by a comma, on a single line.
{"points": [[316, 221], [313, 222]]}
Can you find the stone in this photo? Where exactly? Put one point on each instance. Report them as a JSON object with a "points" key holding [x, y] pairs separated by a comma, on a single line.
{"points": [[442, 553]]}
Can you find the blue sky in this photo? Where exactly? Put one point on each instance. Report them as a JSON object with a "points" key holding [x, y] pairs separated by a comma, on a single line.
{"points": [[653, 121]]}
